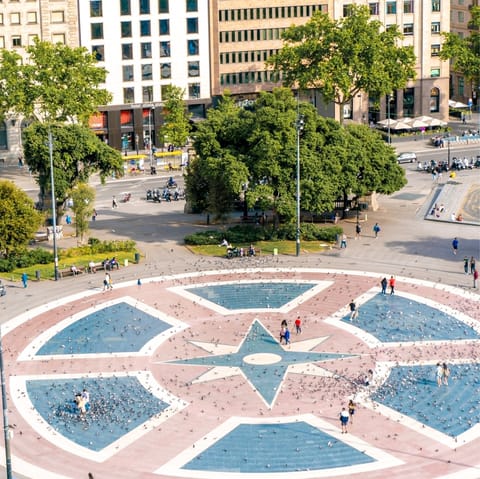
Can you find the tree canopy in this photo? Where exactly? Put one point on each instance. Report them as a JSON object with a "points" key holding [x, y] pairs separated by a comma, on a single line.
{"points": [[55, 83], [258, 147], [83, 197], [176, 126], [19, 220], [465, 52], [343, 57], [77, 153]]}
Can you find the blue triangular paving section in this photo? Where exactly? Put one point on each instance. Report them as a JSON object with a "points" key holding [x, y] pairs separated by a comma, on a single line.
{"points": [[117, 328], [118, 405], [287, 447], [265, 295], [397, 319], [452, 409]]}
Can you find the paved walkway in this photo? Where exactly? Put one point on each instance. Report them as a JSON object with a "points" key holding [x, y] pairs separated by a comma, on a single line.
{"points": [[179, 414]]}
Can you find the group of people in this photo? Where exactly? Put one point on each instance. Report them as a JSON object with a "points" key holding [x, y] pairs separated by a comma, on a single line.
{"points": [[346, 416], [285, 332], [358, 230], [388, 282], [82, 402], [107, 282], [443, 373]]}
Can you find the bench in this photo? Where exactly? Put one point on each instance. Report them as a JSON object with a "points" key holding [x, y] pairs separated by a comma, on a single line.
{"points": [[63, 273], [95, 267]]}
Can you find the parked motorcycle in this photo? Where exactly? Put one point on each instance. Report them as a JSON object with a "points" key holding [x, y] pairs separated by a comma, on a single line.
{"points": [[126, 197]]}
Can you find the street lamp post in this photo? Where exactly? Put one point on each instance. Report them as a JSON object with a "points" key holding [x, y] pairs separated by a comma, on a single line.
{"points": [[299, 127], [54, 206], [448, 153], [6, 429], [388, 118], [150, 142]]}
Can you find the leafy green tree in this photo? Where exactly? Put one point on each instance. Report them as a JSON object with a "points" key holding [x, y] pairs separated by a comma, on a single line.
{"points": [[19, 220], [83, 197], [77, 153], [56, 83], [343, 57], [465, 52], [176, 125]]}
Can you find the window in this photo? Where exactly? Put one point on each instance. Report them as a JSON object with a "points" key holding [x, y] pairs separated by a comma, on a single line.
{"points": [[147, 94], [408, 6], [435, 72], [163, 6], [56, 38], [164, 49], [434, 100], [144, 7], [436, 5], [346, 10], [193, 69], [408, 102], [96, 8], [391, 8], [128, 95], [1, 18], [164, 27], [15, 18], [146, 50], [16, 41], [374, 10], [192, 25], [147, 71], [461, 17], [31, 17], [127, 51], [435, 28], [96, 31], [99, 52], [193, 90], [3, 136], [2, 42], [435, 49], [58, 16], [461, 86], [165, 70], [408, 29], [127, 72], [145, 30], [192, 47], [125, 8], [192, 5], [126, 29], [163, 90]]}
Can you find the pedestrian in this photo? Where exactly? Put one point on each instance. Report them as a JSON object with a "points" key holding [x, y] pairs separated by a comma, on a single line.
{"points": [[384, 283], [358, 230], [24, 279], [472, 265], [391, 283], [353, 310], [344, 420], [114, 203], [455, 245], [94, 215], [351, 410], [439, 374], [107, 282], [287, 336], [465, 264], [445, 374], [376, 229], [298, 325], [343, 243], [282, 333], [475, 277]]}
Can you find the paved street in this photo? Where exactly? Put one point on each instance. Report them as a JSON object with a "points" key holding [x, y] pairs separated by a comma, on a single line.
{"points": [[410, 246]]}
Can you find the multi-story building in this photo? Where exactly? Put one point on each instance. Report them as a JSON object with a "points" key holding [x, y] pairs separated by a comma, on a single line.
{"points": [[21, 21]]}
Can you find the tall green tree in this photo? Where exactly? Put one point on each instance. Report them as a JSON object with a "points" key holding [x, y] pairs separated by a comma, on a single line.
{"points": [[77, 153], [465, 52], [176, 125], [19, 220], [83, 197], [343, 57], [56, 83]]}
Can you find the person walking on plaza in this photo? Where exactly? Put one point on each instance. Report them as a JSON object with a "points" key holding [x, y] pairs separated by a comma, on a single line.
{"points": [[344, 420], [391, 283], [298, 325], [465, 264], [24, 279], [114, 203], [351, 410], [455, 245], [384, 284], [445, 374], [343, 243], [376, 229], [472, 265], [353, 310], [358, 230]]}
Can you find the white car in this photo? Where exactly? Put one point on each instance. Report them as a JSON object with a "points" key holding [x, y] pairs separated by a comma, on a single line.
{"points": [[408, 157]]}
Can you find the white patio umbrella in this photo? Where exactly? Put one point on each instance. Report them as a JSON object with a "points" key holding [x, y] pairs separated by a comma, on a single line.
{"points": [[415, 123], [400, 125], [386, 122], [456, 104]]}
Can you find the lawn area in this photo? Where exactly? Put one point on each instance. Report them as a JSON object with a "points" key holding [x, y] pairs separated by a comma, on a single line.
{"points": [[47, 270], [266, 248]]}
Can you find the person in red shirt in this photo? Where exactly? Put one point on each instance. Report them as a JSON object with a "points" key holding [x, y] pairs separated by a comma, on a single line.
{"points": [[391, 283], [298, 325]]}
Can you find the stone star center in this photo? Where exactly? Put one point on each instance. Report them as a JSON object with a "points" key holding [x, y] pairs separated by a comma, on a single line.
{"points": [[262, 359]]}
